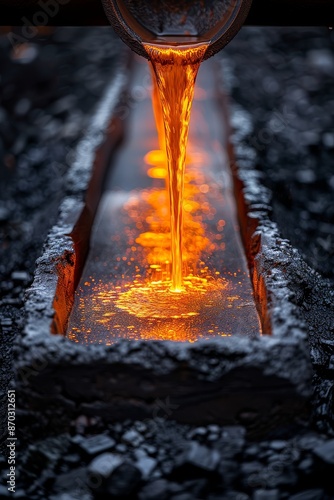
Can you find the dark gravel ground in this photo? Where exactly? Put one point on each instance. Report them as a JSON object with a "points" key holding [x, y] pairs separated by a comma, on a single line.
{"points": [[283, 78], [48, 90]]}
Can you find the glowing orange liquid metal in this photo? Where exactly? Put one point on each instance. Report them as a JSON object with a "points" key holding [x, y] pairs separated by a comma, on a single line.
{"points": [[166, 262]]}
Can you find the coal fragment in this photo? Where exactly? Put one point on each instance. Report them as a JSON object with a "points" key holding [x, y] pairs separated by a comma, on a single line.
{"points": [[121, 448], [124, 480], [306, 465], [252, 451], [36, 460], [232, 441], [146, 465], [286, 478], [20, 494], [197, 432], [4, 214], [6, 322], [306, 176], [22, 106], [104, 465], [94, 444], [73, 480], [63, 105], [20, 276], [71, 459], [197, 487], [214, 429], [266, 495], [316, 356], [228, 471], [157, 490], [310, 441], [328, 345], [278, 445], [197, 459], [132, 437], [325, 452], [331, 363], [316, 494], [4, 493], [249, 468]]}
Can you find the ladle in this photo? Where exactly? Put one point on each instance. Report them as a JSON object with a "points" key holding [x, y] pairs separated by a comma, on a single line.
{"points": [[214, 21]]}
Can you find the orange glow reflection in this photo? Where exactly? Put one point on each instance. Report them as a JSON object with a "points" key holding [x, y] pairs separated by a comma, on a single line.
{"points": [[155, 300], [152, 312], [156, 239]]}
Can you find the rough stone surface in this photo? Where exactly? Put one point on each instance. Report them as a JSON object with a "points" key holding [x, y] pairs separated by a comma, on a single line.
{"points": [[326, 452], [266, 495], [197, 460], [123, 481], [95, 444], [104, 464], [316, 494], [157, 490]]}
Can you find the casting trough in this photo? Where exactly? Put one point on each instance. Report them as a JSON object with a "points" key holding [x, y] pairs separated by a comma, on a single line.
{"points": [[263, 382]]}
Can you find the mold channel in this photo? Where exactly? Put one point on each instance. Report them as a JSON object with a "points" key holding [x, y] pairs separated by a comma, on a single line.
{"points": [[211, 380]]}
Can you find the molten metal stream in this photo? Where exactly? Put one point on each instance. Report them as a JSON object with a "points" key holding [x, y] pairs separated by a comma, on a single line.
{"points": [[157, 111], [175, 70]]}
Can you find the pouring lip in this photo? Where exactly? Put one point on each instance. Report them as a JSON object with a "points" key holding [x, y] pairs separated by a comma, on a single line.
{"points": [[218, 40]]}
